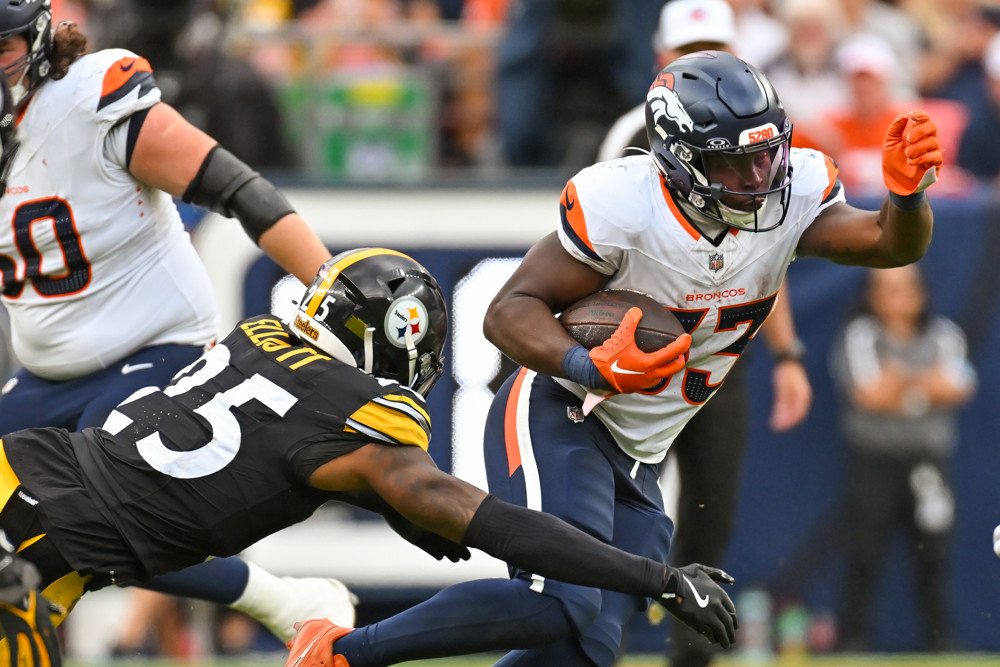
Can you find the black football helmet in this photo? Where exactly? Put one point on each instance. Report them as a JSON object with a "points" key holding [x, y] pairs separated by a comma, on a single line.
{"points": [[707, 112], [9, 142], [34, 19], [380, 311]]}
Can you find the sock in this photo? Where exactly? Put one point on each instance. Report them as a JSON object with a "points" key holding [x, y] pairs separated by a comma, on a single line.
{"points": [[471, 617], [219, 580]]}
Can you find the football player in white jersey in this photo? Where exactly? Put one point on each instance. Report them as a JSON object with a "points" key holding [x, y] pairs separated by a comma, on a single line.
{"points": [[105, 292], [707, 223]]}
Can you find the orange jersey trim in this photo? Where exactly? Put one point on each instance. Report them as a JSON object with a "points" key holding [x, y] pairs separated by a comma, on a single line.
{"points": [[573, 211], [510, 424], [832, 172], [121, 71], [688, 227]]}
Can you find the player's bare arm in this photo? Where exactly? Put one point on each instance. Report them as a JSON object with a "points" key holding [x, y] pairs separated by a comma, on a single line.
{"points": [[880, 239], [900, 231], [521, 319], [170, 153]]}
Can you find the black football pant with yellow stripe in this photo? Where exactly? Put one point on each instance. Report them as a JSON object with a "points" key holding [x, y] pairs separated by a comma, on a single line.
{"points": [[19, 520]]}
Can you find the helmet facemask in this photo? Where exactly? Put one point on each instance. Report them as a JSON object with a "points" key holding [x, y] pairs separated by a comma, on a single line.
{"points": [[718, 174], [29, 71]]}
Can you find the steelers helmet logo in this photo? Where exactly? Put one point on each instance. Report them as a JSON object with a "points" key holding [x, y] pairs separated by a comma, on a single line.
{"points": [[406, 314]]}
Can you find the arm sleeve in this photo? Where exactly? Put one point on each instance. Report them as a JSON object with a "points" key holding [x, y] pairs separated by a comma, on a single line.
{"points": [[541, 543]]}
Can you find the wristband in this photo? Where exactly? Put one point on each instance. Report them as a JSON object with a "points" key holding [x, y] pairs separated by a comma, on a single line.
{"points": [[796, 352], [579, 367], [908, 202]]}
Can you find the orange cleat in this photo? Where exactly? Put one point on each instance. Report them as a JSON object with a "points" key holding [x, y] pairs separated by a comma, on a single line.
{"points": [[313, 645]]}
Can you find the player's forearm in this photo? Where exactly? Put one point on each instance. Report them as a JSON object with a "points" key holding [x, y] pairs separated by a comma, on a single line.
{"points": [[523, 328], [544, 545], [906, 231]]}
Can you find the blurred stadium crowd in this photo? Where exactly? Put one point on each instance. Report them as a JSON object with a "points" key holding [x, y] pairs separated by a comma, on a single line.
{"points": [[383, 90]]}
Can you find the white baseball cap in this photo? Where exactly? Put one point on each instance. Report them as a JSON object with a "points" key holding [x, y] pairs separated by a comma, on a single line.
{"points": [[688, 21], [867, 53]]}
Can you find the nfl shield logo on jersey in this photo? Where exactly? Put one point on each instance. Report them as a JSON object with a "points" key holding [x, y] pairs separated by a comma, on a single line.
{"points": [[715, 261]]}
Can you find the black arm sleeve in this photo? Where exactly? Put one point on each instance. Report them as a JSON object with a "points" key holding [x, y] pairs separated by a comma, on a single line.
{"points": [[542, 544], [226, 185]]}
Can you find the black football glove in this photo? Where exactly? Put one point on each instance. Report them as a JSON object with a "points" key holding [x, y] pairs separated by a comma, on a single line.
{"points": [[432, 543], [694, 597], [31, 637]]}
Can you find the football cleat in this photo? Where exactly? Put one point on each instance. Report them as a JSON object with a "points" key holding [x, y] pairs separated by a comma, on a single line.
{"points": [[313, 645]]}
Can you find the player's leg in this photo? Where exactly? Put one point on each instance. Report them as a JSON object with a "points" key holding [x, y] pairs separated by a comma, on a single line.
{"points": [[879, 495], [28, 401], [933, 519], [639, 526], [524, 611], [709, 453]]}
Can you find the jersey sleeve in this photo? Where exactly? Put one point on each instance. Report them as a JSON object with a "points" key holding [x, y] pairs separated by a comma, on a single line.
{"points": [[585, 228], [395, 419], [127, 85]]}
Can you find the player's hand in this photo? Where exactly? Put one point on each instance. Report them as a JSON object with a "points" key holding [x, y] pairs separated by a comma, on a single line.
{"points": [[792, 396], [17, 576], [694, 596], [911, 154], [627, 368], [313, 645], [432, 543], [29, 633]]}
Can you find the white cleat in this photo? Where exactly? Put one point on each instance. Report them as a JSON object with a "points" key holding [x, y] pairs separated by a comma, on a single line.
{"points": [[280, 602]]}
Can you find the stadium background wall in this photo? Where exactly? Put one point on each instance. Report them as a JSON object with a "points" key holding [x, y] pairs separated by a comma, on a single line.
{"points": [[788, 529]]}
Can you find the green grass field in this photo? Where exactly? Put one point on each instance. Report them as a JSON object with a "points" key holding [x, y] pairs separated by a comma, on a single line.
{"points": [[885, 660]]}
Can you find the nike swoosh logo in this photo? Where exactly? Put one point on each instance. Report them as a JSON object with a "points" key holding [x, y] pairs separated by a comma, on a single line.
{"points": [[124, 68], [132, 368], [570, 204], [624, 371], [702, 601], [302, 656]]}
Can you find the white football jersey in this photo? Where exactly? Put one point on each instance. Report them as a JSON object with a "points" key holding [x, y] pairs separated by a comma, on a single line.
{"points": [[95, 264], [620, 219]]}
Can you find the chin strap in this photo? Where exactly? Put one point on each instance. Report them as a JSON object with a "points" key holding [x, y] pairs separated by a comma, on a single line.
{"points": [[411, 353], [369, 350]]}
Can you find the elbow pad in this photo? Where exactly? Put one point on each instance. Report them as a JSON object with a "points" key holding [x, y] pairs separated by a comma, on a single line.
{"points": [[228, 186]]}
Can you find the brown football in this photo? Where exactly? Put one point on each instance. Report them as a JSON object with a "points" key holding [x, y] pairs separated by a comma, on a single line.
{"points": [[592, 319]]}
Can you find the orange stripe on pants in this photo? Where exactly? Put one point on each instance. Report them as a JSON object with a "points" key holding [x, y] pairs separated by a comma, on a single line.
{"points": [[510, 424]]}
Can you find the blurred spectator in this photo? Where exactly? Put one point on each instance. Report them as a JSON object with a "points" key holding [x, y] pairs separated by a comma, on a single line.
{"points": [[852, 135], [806, 73], [958, 32], [566, 69], [984, 123], [685, 26], [761, 37], [899, 30], [904, 373]]}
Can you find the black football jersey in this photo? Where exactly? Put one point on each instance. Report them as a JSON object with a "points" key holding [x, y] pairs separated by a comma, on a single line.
{"points": [[219, 458]]}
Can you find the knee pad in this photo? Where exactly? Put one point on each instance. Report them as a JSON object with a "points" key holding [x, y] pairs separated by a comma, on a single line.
{"points": [[28, 636]]}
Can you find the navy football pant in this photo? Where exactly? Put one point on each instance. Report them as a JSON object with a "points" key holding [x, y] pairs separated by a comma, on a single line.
{"points": [[540, 454], [31, 401]]}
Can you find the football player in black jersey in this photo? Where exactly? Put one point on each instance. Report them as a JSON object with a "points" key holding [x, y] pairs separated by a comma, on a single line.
{"points": [[271, 423]]}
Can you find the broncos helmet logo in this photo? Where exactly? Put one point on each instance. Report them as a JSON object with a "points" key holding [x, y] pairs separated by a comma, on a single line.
{"points": [[666, 105]]}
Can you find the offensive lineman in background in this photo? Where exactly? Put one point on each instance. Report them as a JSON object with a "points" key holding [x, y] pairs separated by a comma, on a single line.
{"points": [[105, 292], [708, 453], [707, 224]]}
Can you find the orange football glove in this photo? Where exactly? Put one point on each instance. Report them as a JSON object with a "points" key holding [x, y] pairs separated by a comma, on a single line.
{"points": [[911, 154], [313, 645], [627, 368]]}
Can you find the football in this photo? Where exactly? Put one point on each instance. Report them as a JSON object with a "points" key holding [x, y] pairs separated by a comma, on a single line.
{"points": [[592, 319]]}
